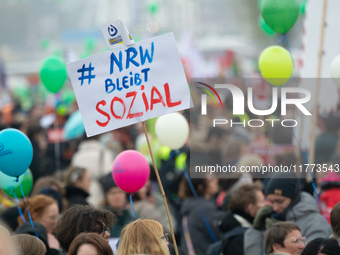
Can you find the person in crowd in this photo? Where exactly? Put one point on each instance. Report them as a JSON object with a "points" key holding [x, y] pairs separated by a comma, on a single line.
{"points": [[321, 246], [52, 183], [288, 203], [7, 246], [116, 202], [326, 142], [329, 185], [335, 222], [244, 204], [39, 143], [51, 243], [284, 238], [89, 243], [145, 206], [196, 234], [98, 160], [83, 218], [78, 183], [30, 245], [43, 209], [143, 237]]}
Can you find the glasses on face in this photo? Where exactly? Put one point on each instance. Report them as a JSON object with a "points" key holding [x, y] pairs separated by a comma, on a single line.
{"points": [[298, 240], [106, 229], [166, 237]]}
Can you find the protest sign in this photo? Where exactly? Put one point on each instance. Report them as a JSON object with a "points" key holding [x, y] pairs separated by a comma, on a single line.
{"points": [[128, 85]]}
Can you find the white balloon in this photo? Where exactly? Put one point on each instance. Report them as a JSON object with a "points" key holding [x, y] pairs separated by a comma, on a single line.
{"points": [[335, 70], [172, 130]]}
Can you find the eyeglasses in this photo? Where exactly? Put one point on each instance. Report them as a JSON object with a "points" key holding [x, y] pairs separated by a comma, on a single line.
{"points": [[298, 240], [106, 229], [166, 237]]}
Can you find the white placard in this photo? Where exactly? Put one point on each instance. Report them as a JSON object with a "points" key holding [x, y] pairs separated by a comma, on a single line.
{"points": [[131, 84]]}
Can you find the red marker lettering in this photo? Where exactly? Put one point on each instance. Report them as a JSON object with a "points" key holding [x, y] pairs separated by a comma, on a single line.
{"points": [[102, 124]]}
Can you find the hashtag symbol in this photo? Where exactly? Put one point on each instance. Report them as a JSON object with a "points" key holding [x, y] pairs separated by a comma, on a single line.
{"points": [[89, 76]]}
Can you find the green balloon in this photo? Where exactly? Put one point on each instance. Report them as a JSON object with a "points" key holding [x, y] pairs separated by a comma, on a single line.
{"points": [[153, 8], [265, 28], [68, 96], [45, 43], [259, 5], [280, 15], [303, 7], [12, 188], [53, 74]]}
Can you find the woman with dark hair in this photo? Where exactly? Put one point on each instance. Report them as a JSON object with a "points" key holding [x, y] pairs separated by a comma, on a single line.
{"points": [[193, 211], [83, 218], [322, 246], [78, 183], [89, 243]]}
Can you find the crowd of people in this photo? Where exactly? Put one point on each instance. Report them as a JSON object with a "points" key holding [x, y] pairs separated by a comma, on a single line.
{"points": [[76, 208]]}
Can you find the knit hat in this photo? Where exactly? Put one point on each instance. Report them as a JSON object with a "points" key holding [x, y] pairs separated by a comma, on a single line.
{"points": [[107, 182], [54, 194], [283, 184]]}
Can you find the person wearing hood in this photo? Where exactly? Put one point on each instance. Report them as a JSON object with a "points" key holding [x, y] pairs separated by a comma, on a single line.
{"points": [[51, 243], [78, 183], [288, 203], [198, 213]]}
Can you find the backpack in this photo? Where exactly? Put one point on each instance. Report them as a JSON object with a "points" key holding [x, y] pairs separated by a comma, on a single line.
{"points": [[216, 248]]}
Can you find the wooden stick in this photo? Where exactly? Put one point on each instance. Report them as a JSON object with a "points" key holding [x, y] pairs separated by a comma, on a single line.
{"points": [[315, 111], [161, 187]]}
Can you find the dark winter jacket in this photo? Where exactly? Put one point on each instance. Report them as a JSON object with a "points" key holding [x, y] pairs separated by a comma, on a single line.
{"points": [[76, 196], [234, 245], [305, 214], [124, 217], [198, 231]]}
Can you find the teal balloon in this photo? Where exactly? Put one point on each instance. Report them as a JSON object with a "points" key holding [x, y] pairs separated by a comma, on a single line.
{"points": [[11, 187], [265, 28], [53, 73], [280, 15], [16, 152]]}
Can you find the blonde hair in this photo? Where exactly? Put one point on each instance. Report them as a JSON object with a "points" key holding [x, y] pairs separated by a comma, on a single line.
{"points": [[142, 237], [30, 245]]}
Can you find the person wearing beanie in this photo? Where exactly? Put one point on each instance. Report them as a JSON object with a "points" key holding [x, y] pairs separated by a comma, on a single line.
{"points": [[116, 202], [287, 203]]}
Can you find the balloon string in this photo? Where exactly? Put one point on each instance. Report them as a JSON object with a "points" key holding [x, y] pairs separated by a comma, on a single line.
{"points": [[28, 210], [133, 209], [201, 211], [173, 153], [290, 51], [305, 156], [19, 209], [281, 39]]}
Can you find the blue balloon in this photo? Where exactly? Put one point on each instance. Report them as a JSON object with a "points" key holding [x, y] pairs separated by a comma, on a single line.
{"points": [[16, 152], [74, 126]]}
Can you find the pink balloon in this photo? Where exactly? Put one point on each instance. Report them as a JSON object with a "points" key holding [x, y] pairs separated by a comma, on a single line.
{"points": [[130, 171]]}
